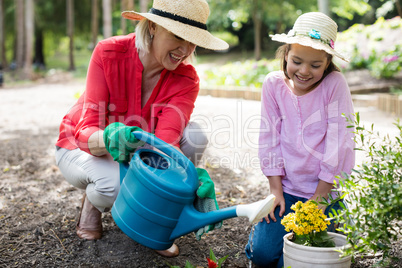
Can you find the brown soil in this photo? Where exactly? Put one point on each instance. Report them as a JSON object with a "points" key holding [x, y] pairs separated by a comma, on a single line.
{"points": [[38, 208]]}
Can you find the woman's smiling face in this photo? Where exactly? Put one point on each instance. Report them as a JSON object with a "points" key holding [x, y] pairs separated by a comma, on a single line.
{"points": [[168, 49], [305, 67]]}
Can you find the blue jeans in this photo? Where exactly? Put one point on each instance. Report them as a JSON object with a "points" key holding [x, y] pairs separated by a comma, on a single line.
{"points": [[265, 244]]}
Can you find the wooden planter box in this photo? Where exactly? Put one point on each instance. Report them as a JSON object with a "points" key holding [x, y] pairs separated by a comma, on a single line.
{"points": [[231, 92], [390, 103], [386, 102]]}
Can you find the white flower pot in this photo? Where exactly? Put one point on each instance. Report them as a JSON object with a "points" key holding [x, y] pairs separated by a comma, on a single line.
{"points": [[299, 256]]}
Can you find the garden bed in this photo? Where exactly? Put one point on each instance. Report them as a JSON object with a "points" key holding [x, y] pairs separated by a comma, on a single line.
{"points": [[38, 208]]}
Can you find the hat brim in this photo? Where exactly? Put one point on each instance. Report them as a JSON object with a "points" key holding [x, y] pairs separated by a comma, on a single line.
{"points": [[307, 41], [197, 36]]}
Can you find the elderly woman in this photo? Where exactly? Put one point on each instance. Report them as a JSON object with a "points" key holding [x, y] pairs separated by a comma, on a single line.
{"points": [[141, 80]]}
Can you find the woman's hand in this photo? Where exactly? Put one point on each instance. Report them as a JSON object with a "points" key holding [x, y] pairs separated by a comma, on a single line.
{"points": [[205, 200], [275, 184], [120, 142]]}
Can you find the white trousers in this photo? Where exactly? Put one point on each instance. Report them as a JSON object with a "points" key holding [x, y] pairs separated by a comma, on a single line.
{"points": [[99, 176]]}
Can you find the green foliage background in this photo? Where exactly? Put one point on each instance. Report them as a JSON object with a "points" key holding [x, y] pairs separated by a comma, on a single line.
{"points": [[231, 20]]}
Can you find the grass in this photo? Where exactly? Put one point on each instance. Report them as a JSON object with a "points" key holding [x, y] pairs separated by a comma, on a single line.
{"points": [[221, 58], [60, 60]]}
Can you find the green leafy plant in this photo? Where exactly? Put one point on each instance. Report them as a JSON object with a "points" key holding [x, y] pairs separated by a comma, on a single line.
{"points": [[249, 73], [369, 47], [309, 225], [188, 265], [388, 63], [361, 60], [396, 90], [212, 261], [373, 194]]}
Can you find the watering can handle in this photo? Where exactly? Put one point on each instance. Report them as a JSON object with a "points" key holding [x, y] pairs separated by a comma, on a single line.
{"points": [[169, 150]]}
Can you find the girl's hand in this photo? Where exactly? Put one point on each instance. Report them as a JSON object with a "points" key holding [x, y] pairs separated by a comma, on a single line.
{"points": [[322, 191], [318, 199], [275, 185], [279, 201]]}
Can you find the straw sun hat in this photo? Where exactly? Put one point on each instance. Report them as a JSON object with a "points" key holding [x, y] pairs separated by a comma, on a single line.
{"points": [[313, 29], [184, 18]]}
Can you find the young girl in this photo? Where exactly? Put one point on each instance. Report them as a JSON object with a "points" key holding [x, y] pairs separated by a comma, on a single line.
{"points": [[304, 141]]}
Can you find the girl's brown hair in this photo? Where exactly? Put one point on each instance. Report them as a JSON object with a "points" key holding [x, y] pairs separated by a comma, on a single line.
{"points": [[283, 51]]}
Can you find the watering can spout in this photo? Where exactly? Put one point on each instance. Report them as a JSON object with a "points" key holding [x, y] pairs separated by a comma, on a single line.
{"points": [[191, 219]]}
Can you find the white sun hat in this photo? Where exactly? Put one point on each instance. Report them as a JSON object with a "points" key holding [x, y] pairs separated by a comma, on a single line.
{"points": [[313, 29], [184, 18]]}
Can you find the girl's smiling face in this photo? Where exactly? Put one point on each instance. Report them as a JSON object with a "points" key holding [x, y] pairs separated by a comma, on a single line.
{"points": [[305, 68], [168, 49]]}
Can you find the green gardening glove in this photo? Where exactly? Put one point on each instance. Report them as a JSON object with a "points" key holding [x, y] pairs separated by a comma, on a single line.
{"points": [[205, 200], [120, 142]]}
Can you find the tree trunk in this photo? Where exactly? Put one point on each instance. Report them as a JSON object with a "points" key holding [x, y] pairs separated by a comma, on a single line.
{"points": [[398, 7], [107, 18], [130, 5], [70, 32], [29, 33], [19, 23], [257, 37], [323, 6], [94, 22], [257, 21], [123, 21], [3, 59], [39, 58], [143, 6], [126, 5]]}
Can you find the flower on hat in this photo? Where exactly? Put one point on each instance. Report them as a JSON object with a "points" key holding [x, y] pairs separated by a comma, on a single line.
{"points": [[332, 44], [317, 35], [314, 34]]}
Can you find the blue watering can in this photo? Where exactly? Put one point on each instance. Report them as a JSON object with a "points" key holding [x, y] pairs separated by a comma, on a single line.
{"points": [[155, 202]]}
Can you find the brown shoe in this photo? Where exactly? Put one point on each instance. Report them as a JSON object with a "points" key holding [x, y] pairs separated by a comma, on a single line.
{"points": [[89, 224], [171, 252]]}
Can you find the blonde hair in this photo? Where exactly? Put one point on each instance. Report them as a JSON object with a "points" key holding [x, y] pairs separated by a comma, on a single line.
{"points": [[142, 36], [143, 39]]}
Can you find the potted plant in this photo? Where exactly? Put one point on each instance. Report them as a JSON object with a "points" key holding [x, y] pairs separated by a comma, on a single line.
{"points": [[309, 244]]}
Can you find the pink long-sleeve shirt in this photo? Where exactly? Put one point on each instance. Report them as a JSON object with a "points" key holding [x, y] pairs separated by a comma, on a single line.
{"points": [[305, 138]]}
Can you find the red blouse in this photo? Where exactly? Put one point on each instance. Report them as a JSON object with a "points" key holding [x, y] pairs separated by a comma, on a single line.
{"points": [[113, 94]]}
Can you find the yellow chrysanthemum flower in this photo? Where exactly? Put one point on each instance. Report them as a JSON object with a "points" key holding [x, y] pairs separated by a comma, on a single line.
{"points": [[306, 219]]}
